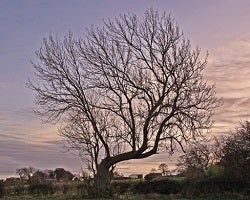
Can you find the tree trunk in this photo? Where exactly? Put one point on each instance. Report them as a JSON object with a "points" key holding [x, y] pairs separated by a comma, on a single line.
{"points": [[102, 180]]}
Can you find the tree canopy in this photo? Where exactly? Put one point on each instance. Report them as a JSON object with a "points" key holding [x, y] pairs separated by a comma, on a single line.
{"points": [[236, 153], [126, 90]]}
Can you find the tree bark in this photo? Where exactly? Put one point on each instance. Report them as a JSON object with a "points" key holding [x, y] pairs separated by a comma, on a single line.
{"points": [[102, 180]]}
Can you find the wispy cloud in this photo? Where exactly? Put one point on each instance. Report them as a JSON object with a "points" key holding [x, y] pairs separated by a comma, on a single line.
{"points": [[19, 153], [229, 68], [25, 141]]}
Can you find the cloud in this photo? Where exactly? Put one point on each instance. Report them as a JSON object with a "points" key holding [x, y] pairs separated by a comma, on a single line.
{"points": [[25, 141], [229, 68], [17, 154]]}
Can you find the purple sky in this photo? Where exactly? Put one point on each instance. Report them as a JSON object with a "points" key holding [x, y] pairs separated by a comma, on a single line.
{"points": [[220, 27]]}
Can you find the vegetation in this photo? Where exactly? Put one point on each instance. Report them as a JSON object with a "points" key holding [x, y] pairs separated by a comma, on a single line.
{"points": [[25, 172], [236, 154], [165, 188], [200, 159]]}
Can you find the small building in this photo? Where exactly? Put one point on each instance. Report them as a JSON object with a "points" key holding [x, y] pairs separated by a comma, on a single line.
{"points": [[136, 176], [51, 180]]}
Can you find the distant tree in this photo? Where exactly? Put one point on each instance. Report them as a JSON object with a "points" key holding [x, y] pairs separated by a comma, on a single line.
{"points": [[62, 174], [199, 158], [39, 177], [84, 174], [50, 173], [59, 173], [26, 172], [163, 167], [153, 170], [236, 153], [128, 90]]}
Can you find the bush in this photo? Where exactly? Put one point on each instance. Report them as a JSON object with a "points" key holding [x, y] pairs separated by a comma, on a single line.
{"points": [[65, 189], [85, 189], [163, 186], [19, 189], [119, 187], [151, 176], [212, 185], [82, 190], [42, 188]]}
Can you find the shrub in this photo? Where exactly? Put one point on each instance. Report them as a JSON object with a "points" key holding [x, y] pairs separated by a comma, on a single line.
{"points": [[19, 189], [119, 187], [42, 188], [85, 190], [151, 176], [65, 189], [81, 190], [212, 185], [163, 186], [215, 170]]}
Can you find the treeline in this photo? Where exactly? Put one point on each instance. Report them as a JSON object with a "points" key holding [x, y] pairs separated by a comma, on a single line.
{"points": [[33, 182], [32, 175]]}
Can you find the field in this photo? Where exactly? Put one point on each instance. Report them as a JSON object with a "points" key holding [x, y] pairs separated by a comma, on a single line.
{"points": [[162, 189]]}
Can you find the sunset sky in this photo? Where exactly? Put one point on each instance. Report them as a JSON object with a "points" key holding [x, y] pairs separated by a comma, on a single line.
{"points": [[221, 27]]}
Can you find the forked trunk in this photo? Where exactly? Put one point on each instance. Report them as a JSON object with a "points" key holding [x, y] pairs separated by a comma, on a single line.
{"points": [[102, 181]]}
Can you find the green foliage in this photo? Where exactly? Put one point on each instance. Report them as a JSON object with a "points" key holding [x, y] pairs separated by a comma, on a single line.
{"points": [[215, 170], [212, 185], [163, 186]]}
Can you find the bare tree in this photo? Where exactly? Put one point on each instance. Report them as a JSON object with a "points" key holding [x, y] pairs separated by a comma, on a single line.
{"points": [[200, 156], [195, 161], [126, 91]]}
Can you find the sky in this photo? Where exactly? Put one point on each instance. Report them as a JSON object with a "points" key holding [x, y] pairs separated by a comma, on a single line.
{"points": [[220, 27]]}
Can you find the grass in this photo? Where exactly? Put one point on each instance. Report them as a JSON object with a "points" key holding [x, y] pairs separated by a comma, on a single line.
{"points": [[130, 197]]}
